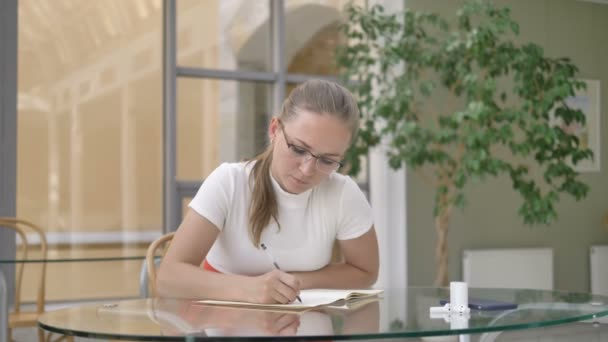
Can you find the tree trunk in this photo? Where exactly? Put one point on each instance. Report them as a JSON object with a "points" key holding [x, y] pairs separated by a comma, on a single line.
{"points": [[442, 221]]}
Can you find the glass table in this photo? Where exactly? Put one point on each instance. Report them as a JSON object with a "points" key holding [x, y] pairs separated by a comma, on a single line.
{"points": [[399, 313], [126, 254]]}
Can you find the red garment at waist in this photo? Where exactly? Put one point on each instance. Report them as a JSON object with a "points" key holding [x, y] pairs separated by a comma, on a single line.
{"points": [[208, 267]]}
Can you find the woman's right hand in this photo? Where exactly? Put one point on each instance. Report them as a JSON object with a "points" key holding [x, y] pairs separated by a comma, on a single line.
{"points": [[273, 287]]}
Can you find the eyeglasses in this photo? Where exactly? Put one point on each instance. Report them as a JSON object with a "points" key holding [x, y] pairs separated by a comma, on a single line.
{"points": [[322, 164]]}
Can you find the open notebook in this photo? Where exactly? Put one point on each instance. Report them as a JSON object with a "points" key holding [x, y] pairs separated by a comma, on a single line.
{"points": [[315, 298]]}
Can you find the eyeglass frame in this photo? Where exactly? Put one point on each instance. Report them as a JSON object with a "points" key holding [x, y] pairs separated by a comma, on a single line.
{"points": [[307, 155]]}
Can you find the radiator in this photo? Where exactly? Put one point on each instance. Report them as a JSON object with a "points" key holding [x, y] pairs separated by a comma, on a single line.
{"points": [[598, 260], [527, 268]]}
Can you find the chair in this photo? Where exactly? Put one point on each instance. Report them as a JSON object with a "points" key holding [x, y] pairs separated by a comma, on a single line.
{"points": [[148, 274], [18, 317]]}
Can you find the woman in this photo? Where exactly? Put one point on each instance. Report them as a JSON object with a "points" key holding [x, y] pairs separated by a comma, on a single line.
{"points": [[290, 200]]}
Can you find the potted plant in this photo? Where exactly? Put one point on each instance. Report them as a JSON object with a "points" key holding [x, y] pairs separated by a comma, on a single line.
{"points": [[463, 101]]}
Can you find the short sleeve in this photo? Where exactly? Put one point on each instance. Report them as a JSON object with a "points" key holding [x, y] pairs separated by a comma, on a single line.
{"points": [[215, 195], [355, 214]]}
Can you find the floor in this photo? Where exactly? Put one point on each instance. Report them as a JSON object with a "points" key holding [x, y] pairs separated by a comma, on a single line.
{"points": [[30, 335]]}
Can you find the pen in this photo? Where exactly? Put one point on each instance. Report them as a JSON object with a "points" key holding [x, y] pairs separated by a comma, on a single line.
{"points": [[275, 264]]}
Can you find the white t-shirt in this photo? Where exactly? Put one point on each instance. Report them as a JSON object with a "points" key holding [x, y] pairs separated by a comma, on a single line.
{"points": [[310, 221]]}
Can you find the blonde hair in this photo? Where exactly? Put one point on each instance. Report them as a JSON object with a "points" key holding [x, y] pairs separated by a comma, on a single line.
{"points": [[316, 96]]}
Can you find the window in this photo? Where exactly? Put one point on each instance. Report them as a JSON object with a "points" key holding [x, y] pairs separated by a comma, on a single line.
{"points": [[91, 123]]}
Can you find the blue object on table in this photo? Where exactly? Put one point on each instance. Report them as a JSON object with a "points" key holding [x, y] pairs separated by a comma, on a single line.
{"points": [[486, 304]]}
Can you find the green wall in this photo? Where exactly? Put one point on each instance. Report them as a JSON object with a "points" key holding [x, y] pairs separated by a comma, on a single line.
{"points": [[571, 28]]}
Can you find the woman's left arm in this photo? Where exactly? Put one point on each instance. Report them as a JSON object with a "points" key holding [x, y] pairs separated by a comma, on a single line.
{"points": [[358, 270]]}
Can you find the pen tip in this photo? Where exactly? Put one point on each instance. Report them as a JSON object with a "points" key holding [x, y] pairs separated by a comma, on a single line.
{"points": [[263, 246]]}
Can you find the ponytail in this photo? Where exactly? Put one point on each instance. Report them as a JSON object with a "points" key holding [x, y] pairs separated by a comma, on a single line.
{"points": [[263, 205]]}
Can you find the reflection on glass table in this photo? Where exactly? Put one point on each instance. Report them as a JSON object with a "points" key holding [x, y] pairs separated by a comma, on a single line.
{"points": [[400, 313], [94, 272]]}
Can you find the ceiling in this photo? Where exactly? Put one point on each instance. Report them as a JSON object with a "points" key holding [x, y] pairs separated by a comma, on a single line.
{"points": [[57, 36]]}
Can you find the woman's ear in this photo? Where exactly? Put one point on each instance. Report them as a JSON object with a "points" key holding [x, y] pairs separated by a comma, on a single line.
{"points": [[273, 128]]}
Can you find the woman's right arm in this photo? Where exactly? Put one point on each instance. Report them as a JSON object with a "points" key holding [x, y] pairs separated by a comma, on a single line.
{"points": [[181, 276]]}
